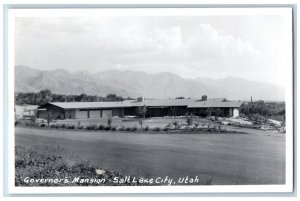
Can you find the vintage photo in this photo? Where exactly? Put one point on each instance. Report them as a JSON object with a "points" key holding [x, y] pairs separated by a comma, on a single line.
{"points": [[153, 97]]}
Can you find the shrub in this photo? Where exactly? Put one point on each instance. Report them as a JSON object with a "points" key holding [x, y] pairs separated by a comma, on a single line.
{"points": [[91, 127], [70, 126], [107, 128], [175, 123], [94, 127], [113, 128], [80, 127], [118, 128], [62, 126], [30, 124], [122, 128], [127, 128], [101, 127], [165, 128], [146, 128], [44, 162], [53, 126], [133, 129], [156, 129]]}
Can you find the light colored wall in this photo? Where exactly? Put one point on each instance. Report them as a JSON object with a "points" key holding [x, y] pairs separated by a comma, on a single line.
{"points": [[28, 110], [236, 112], [106, 113], [95, 114], [80, 114]]}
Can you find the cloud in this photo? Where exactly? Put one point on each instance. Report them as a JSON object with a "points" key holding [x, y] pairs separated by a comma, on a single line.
{"points": [[151, 44], [206, 43]]}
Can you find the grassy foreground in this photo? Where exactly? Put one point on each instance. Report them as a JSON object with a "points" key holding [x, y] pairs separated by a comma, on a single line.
{"points": [[227, 158], [46, 166]]}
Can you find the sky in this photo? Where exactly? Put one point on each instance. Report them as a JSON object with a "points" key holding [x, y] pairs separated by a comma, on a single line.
{"points": [[253, 47]]}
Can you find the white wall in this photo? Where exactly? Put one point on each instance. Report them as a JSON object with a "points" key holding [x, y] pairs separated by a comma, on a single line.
{"points": [[236, 112]]}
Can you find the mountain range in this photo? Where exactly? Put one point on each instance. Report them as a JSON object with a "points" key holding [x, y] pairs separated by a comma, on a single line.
{"points": [[127, 83]]}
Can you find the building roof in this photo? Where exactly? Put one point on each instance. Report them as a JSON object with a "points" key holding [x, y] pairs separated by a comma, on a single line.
{"points": [[206, 104], [82, 105], [164, 102], [190, 103]]}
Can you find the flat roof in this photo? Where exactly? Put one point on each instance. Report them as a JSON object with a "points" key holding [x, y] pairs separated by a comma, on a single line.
{"points": [[190, 103], [81, 105], [206, 104]]}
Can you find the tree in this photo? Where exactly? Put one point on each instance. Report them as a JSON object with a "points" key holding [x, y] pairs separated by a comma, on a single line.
{"points": [[189, 119], [81, 98], [44, 96], [142, 111], [142, 114], [113, 97]]}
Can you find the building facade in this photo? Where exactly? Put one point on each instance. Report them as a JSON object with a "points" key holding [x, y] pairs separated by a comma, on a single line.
{"points": [[155, 108]]}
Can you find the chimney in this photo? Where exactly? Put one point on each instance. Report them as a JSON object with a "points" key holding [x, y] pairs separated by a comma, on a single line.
{"points": [[204, 98], [140, 99]]}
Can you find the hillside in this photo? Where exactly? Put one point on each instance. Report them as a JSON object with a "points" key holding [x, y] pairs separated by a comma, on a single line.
{"points": [[138, 83]]}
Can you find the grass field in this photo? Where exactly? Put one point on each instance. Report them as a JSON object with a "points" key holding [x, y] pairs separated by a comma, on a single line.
{"points": [[227, 158]]}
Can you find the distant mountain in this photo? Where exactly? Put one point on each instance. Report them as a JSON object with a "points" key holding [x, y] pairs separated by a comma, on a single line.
{"points": [[60, 81], [138, 83], [237, 88]]}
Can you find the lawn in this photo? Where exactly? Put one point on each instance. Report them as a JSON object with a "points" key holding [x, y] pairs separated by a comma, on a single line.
{"points": [[227, 158]]}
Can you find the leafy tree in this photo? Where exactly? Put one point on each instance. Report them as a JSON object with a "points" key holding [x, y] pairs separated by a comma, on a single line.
{"points": [[45, 96], [142, 114], [81, 98], [189, 119], [142, 111]]}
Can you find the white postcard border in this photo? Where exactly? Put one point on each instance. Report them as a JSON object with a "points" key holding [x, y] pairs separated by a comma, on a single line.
{"points": [[12, 14]]}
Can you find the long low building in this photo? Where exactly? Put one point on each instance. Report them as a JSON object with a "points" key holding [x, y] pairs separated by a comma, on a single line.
{"points": [[155, 108]]}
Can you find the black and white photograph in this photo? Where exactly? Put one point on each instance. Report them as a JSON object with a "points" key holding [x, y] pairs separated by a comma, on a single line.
{"points": [[167, 98]]}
